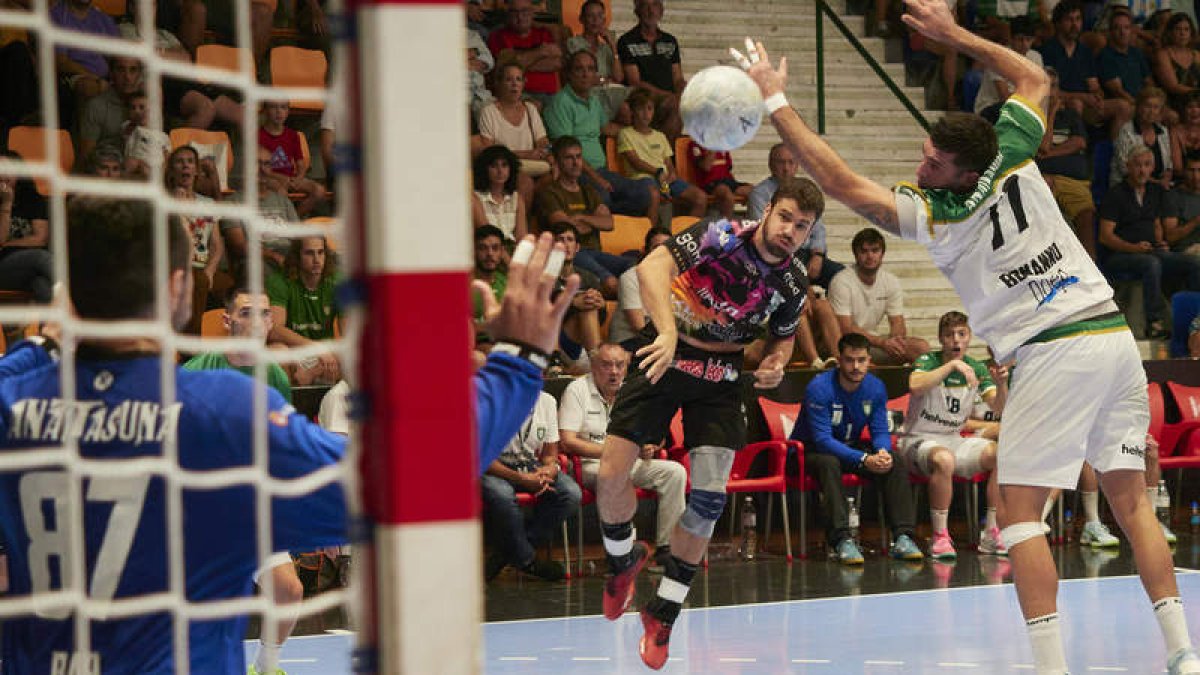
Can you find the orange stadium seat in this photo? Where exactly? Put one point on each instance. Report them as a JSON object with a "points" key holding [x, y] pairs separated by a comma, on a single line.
{"points": [[628, 234], [30, 144], [212, 324], [113, 8], [296, 67], [219, 56]]}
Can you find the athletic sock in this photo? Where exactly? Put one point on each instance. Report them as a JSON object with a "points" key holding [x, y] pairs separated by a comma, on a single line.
{"points": [[1045, 636], [618, 542], [990, 518], [1169, 612], [1091, 506], [938, 519], [268, 657], [672, 591]]}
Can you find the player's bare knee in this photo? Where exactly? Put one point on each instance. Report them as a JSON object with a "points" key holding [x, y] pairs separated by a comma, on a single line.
{"points": [[987, 458], [288, 588], [942, 462]]}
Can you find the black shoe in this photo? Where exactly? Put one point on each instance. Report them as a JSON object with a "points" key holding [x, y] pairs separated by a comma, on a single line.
{"points": [[546, 570], [493, 566]]}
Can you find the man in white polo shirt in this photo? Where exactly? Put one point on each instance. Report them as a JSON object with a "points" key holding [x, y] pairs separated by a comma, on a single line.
{"points": [[583, 416]]}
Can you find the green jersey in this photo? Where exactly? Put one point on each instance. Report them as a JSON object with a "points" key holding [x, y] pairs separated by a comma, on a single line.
{"points": [[945, 409], [310, 313], [276, 377]]}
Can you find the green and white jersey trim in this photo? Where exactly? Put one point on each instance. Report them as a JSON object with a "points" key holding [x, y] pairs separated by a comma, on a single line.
{"points": [[1005, 247]]}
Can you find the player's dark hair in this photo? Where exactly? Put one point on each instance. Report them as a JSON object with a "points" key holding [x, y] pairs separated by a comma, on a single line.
{"points": [[656, 231], [853, 341], [970, 138], [484, 231], [564, 143], [952, 319], [804, 192], [110, 256], [490, 155], [1064, 8], [867, 235]]}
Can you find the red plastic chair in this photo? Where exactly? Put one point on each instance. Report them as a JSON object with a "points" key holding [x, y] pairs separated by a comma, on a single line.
{"points": [[1178, 445], [775, 482]]}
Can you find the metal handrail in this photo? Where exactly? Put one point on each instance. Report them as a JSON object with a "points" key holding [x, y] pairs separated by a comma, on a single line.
{"points": [[823, 8]]}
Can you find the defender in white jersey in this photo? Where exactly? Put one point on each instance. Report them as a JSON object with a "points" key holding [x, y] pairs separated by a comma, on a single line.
{"points": [[1079, 392], [943, 388]]}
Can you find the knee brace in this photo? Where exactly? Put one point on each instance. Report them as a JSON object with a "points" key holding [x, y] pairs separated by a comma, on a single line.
{"points": [[702, 512], [1018, 532]]}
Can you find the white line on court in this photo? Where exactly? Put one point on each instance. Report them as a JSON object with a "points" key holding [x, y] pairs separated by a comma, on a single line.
{"points": [[517, 658], [957, 664], [883, 663], [1109, 669], [811, 661]]}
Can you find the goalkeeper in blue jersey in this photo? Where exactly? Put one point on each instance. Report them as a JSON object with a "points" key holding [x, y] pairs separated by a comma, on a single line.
{"points": [[992, 226]]}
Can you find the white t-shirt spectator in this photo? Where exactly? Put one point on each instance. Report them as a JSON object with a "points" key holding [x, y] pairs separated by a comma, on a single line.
{"points": [[988, 95], [540, 427], [517, 138], [866, 305], [334, 414], [629, 296], [501, 214]]}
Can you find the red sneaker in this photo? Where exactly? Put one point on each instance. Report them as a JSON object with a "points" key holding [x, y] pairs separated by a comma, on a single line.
{"points": [[654, 646], [619, 589]]}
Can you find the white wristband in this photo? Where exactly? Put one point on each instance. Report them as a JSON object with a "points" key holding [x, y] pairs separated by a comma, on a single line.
{"points": [[775, 102]]}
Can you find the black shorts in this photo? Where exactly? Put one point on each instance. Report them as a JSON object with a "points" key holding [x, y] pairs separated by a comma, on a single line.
{"points": [[705, 384]]}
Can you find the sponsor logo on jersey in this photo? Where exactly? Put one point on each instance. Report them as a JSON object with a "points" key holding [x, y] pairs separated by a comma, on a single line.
{"points": [[1135, 450], [1045, 290], [53, 420], [1042, 264], [954, 425], [712, 370], [836, 417]]}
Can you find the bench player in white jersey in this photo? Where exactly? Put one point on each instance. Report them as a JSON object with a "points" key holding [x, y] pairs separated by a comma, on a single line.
{"points": [[944, 386], [1079, 392]]}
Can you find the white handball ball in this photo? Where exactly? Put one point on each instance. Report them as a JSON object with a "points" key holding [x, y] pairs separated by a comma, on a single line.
{"points": [[721, 108]]}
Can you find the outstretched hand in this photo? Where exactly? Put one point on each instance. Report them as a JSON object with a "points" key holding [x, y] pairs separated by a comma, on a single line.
{"points": [[931, 18], [527, 315], [757, 64]]}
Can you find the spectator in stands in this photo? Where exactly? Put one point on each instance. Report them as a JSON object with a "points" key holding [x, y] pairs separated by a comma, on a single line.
{"points": [[1145, 130], [1131, 236], [102, 120], [569, 200], [287, 156], [84, 72], [1185, 136], [650, 57], [480, 62], [528, 465], [106, 163], [208, 248], [581, 325], [516, 124], [1193, 339], [1123, 67], [1062, 159], [1181, 210], [944, 385], [576, 112], [25, 263], [714, 174], [144, 147], [598, 40], [496, 200], [583, 416], [1000, 19], [1076, 67], [490, 269], [533, 47], [273, 206], [21, 103], [646, 155], [862, 295], [995, 90], [302, 297], [1177, 63], [630, 318], [841, 404]]}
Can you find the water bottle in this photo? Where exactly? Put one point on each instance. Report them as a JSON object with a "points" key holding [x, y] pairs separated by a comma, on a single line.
{"points": [[1066, 529], [1194, 519], [852, 518], [1162, 504], [749, 529]]}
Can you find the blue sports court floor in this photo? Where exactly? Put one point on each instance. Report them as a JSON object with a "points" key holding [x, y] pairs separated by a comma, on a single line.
{"points": [[1108, 628]]}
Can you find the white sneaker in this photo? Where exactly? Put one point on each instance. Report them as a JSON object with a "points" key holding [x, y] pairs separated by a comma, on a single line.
{"points": [[1096, 535], [990, 542], [1184, 662]]}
